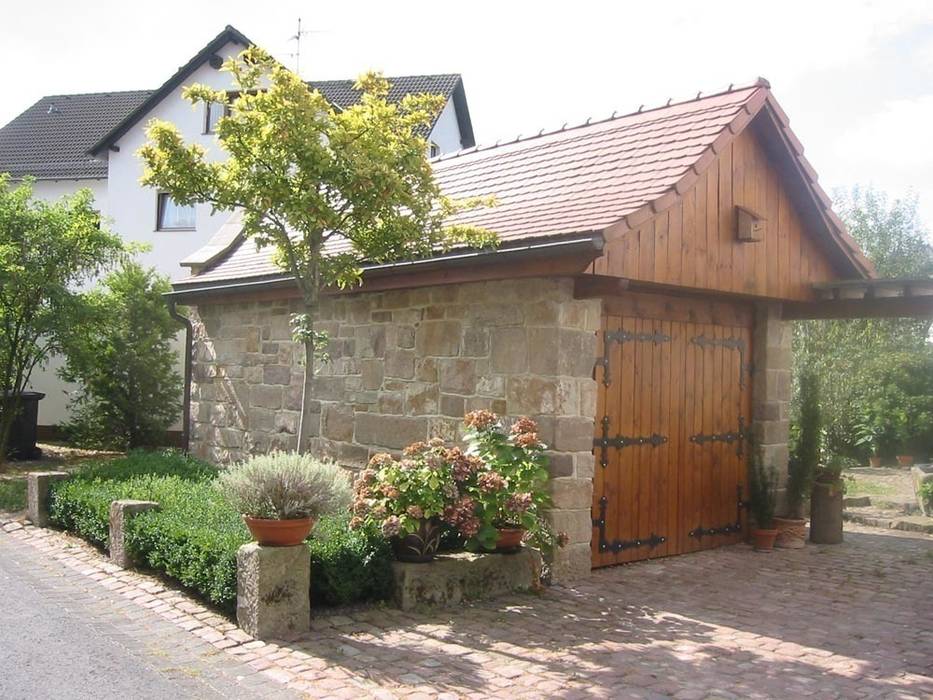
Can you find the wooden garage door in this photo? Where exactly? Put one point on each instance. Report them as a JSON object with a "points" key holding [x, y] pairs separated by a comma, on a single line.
{"points": [[672, 418]]}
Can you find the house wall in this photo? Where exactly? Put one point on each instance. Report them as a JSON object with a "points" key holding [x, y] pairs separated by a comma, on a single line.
{"points": [[693, 243], [404, 366], [446, 131]]}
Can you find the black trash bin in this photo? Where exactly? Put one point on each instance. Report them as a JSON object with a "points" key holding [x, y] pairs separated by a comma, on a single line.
{"points": [[23, 433]]}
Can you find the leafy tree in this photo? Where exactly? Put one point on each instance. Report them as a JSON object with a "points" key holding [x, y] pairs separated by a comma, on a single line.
{"points": [[329, 189], [47, 252], [806, 452], [124, 362], [846, 355]]}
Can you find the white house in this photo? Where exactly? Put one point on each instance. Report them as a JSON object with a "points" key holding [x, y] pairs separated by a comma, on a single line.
{"points": [[68, 142]]}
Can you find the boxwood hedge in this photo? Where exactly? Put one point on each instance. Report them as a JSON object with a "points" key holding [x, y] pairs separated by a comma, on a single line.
{"points": [[195, 535]]}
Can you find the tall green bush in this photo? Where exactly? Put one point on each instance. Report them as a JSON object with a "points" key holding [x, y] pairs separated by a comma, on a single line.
{"points": [[123, 361], [806, 452]]}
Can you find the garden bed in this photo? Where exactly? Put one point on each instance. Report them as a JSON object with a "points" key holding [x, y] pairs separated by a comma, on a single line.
{"points": [[195, 535]]}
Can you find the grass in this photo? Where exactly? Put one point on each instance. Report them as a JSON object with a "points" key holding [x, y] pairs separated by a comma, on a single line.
{"points": [[867, 487], [12, 495]]}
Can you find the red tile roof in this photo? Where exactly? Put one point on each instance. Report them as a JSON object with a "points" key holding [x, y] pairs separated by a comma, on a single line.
{"points": [[582, 179]]}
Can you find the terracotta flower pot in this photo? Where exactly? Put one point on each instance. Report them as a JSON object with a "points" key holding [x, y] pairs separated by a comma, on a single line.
{"points": [[874, 461], [905, 460], [279, 533], [791, 533], [421, 545], [764, 540], [509, 539]]}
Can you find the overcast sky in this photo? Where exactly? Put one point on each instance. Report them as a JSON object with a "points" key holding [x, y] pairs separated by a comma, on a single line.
{"points": [[856, 78]]}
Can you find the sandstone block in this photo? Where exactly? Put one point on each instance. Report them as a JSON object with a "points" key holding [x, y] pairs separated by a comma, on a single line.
{"points": [[543, 355], [573, 434], [120, 514], [273, 590], [390, 432], [337, 422], [576, 524], [457, 375], [37, 495], [475, 342], [438, 338], [421, 399], [570, 493], [453, 578], [400, 364], [264, 396], [571, 563], [276, 374], [372, 374], [509, 350]]}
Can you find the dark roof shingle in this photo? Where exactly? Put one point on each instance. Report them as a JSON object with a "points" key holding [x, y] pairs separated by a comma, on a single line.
{"points": [[51, 139]]}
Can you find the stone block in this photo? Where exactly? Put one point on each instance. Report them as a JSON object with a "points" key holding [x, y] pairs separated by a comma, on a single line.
{"points": [[457, 375], [421, 399], [438, 338], [276, 374], [560, 464], [475, 342], [37, 495], [121, 512], [337, 422], [452, 405], [261, 419], [509, 350], [372, 374], [584, 465], [400, 364], [390, 432], [453, 578], [573, 434], [265, 396], [570, 563], [577, 353], [531, 395], [571, 493], [576, 524], [287, 422], [273, 585]]}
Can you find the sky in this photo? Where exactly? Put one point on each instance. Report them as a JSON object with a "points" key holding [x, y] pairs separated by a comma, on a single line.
{"points": [[855, 77]]}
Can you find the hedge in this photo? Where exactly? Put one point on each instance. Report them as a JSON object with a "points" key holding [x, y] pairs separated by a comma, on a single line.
{"points": [[195, 535]]}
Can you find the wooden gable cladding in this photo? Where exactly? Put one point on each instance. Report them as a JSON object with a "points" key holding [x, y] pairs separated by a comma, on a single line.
{"points": [[694, 243]]}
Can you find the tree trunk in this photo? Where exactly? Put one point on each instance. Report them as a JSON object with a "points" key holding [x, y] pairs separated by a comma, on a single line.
{"points": [[306, 428]]}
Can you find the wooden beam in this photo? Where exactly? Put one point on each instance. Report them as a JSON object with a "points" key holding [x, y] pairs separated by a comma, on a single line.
{"points": [[885, 307], [594, 286]]}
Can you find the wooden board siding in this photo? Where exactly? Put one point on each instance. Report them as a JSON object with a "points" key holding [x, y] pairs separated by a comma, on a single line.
{"points": [[693, 243], [676, 368]]}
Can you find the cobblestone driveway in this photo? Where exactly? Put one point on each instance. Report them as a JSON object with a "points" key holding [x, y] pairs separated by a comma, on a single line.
{"points": [[849, 621]]}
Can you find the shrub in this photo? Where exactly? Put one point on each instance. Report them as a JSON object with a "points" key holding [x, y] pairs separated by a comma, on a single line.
{"points": [[123, 360], [807, 448], [284, 486], [762, 492], [349, 565]]}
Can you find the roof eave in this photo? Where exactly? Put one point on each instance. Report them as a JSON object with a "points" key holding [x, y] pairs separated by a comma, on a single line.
{"points": [[229, 34], [464, 122]]}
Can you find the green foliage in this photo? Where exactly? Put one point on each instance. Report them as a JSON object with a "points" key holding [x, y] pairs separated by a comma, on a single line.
{"points": [[195, 535], [12, 495], [762, 491], [926, 495], [852, 358], [284, 486], [349, 565], [47, 252], [806, 452], [329, 189], [125, 365]]}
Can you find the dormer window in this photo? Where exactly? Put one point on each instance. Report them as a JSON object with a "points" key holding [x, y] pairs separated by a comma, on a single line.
{"points": [[172, 216], [213, 111], [434, 150]]}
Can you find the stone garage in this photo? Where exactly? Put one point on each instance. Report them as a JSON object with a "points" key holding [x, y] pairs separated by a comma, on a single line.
{"points": [[636, 308]]}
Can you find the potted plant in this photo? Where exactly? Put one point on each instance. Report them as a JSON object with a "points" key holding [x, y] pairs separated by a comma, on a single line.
{"points": [[826, 503], [280, 495], [869, 434], [509, 490], [791, 525], [762, 502], [406, 497]]}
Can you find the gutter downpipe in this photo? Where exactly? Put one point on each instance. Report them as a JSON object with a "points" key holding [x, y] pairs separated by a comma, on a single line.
{"points": [[186, 400]]}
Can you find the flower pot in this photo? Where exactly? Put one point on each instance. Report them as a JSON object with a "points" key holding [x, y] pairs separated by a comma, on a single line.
{"points": [[510, 539], [764, 540], [874, 461], [791, 533], [279, 533], [905, 460], [421, 545], [826, 512]]}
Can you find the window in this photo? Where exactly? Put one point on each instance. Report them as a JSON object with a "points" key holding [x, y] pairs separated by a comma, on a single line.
{"points": [[434, 150], [212, 114], [172, 216]]}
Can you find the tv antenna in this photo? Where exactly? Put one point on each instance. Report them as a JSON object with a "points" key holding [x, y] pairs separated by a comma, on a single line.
{"points": [[296, 37]]}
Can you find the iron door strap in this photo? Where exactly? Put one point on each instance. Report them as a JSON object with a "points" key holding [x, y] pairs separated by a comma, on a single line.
{"points": [[617, 545], [737, 436], [622, 441], [610, 337], [700, 532], [731, 343]]}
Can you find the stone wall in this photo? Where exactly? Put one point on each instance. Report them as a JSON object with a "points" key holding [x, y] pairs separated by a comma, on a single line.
{"points": [[406, 365], [771, 388]]}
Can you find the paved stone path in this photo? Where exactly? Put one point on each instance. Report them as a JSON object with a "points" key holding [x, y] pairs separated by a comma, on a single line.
{"points": [[850, 621]]}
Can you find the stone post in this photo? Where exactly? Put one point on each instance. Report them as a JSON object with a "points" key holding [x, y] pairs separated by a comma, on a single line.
{"points": [[771, 389], [273, 590], [37, 495], [120, 514]]}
